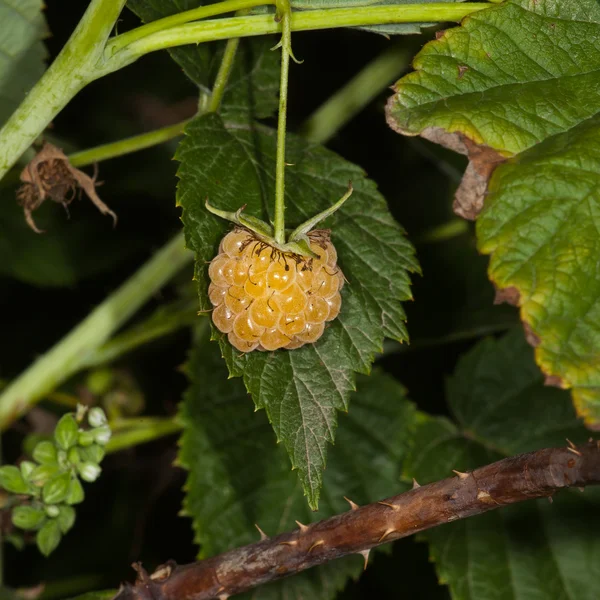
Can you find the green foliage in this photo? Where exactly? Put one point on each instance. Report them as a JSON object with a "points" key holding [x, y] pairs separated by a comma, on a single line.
{"points": [[53, 485], [531, 550], [238, 477], [22, 53], [300, 390], [521, 78], [514, 84]]}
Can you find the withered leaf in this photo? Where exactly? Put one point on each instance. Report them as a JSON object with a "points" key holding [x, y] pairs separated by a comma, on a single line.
{"points": [[50, 175]]}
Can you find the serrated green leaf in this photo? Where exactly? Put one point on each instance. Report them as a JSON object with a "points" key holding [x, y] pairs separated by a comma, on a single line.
{"points": [[12, 480], [45, 453], [521, 80], [302, 389], [28, 517], [66, 517], [530, 551], [48, 537], [238, 476], [57, 489], [22, 53]]}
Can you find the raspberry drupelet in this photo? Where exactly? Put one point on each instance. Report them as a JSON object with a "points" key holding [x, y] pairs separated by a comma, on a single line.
{"points": [[266, 299]]}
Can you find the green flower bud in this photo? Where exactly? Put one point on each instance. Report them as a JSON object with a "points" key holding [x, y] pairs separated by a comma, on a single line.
{"points": [[76, 494], [27, 468], [102, 434], [48, 537], [94, 453], [73, 455], [66, 517], [86, 438], [66, 432], [45, 453], [52, 510], [12, 480], [57, 489], [28, 517], [97, 417], [89, 471]]}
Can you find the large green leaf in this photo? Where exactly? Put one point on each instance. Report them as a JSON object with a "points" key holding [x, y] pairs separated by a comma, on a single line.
{"points": [[521, 80], [238, 476], [301, 389], [535, 550], [22, 53]]}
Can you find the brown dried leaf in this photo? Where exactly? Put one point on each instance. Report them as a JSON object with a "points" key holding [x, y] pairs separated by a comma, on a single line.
{"points": [[470, 195], [50, 175]]}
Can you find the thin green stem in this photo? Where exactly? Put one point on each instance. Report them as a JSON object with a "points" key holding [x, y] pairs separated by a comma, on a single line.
{"points": [[286, 40], [67, 356], [349, 100], [227, 63], [74, 67], [218, 8], [254, 25], [141, 433], [127, 145], [141, 334]]}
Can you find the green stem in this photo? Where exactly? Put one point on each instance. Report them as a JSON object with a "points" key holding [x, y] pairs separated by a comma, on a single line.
{"points": [[141, 334], [128, 145], [74, 67], [87, 56], [218, 8], [140, 433], [67, 356], [223, 75], [286, 40], [349, 100], [254, 25]]}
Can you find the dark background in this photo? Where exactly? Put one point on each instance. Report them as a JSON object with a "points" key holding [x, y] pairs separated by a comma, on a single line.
{"points": [[131, 512]]}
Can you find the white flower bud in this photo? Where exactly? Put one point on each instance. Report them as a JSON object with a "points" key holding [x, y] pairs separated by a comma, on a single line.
{"points": [[102, 434], [89, 471], [96, 417]]}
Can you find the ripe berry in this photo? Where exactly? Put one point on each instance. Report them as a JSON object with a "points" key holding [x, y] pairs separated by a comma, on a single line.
{"points": [[266, 299]]}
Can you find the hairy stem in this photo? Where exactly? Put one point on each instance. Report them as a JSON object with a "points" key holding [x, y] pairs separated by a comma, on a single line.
{"points": [[286, 41], [254, 25], [349, 100], [74, 68], [69, 354], [223, 75], [533, 475], [202, 12]]}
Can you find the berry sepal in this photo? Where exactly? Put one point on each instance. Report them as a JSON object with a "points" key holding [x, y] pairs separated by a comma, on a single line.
{"points": [[298, 241]]}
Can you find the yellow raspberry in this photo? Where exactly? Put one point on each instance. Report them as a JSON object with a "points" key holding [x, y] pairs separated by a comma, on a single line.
{"points": [[266, 299]]}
